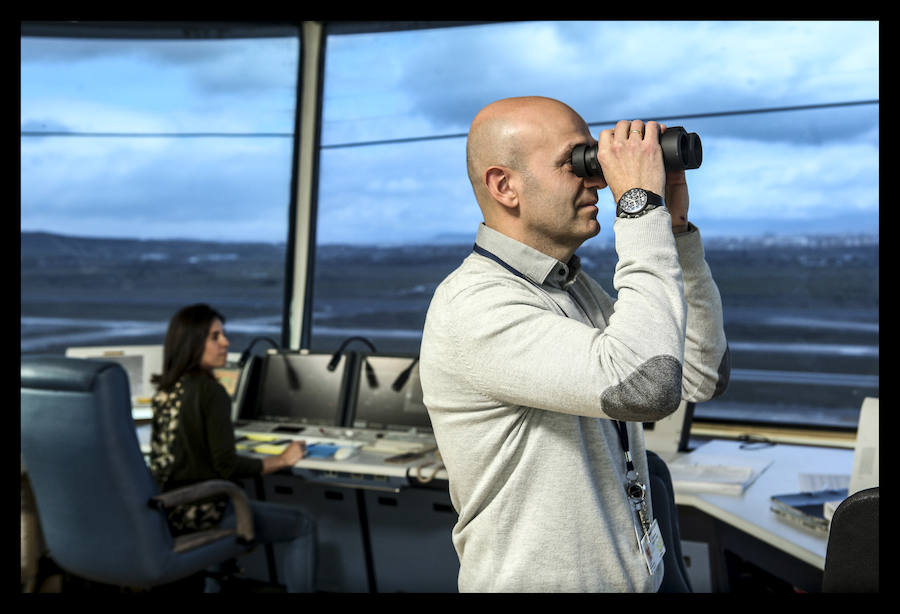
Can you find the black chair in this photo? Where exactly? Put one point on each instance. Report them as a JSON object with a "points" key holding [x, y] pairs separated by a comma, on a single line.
{"points": [[100, 510], [675, 578], [851, 559]]}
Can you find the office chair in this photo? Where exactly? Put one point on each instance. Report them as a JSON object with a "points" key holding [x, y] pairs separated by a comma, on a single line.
{"points": [[851, 560], [662, 494], [100, 510]]}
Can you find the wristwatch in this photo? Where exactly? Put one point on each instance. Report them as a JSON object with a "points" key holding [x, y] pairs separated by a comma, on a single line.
{"points": [[636, 202]]}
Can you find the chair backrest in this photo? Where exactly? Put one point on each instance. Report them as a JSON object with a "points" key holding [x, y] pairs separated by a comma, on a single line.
{"points": [[851, 560], [90, 480], [662, 496]]}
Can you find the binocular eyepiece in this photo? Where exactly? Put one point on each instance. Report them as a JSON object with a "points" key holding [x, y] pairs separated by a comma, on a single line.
{"points": [[682, 150]]}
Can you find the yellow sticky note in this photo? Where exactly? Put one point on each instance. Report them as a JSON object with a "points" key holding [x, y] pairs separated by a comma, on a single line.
{"points": [[269, 449]]}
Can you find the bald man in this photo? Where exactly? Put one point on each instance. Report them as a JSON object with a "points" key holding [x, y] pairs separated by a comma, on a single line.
{"points": [[537, 382]]}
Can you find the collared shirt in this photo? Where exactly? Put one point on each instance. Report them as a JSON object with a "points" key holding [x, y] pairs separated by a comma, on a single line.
{"points": [[522, 376], [554, 277]]}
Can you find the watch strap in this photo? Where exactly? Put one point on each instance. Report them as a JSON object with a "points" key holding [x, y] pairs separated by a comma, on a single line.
{"points": [[653, 201]]}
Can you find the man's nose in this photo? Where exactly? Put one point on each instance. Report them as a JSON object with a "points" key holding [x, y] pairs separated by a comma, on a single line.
{"points": [[595, 181]]}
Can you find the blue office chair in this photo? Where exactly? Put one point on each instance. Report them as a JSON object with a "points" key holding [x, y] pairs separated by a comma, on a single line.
{"points": [[662, 494], [851, 559], [100, 510]]}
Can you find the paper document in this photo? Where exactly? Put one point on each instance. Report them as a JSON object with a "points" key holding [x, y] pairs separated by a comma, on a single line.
{"points": [[811, 482], [703, 472]]}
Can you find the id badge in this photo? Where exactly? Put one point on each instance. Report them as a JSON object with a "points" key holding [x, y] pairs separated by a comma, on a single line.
{"points": [[653, 547]]}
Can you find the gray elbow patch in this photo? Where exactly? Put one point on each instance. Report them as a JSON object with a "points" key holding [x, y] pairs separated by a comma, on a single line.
{"points": [[651, 393], [724, 373]]}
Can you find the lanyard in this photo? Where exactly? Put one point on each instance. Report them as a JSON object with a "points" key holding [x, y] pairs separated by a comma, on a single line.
{"points": [[483, 252]]}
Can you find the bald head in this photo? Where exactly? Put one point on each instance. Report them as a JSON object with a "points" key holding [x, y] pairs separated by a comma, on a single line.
{"points": [[503, 133]]}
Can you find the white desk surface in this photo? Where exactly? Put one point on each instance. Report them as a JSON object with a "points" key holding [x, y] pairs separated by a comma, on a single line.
{"points": [[371, 462], [750, 512]]}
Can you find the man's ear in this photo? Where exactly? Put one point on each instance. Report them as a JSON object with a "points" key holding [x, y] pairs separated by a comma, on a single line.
{"points": [[497, 179]]}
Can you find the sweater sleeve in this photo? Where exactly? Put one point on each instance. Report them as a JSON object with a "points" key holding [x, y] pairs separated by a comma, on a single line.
{"points": [[514, 347], [706, 355]]}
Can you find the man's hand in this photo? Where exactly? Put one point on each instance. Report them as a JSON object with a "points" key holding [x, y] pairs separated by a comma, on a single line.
{"points": [[631, 157], [677, 200]]}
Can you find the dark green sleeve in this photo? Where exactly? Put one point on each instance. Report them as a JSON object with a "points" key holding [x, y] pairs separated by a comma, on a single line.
{"points": [[225, 460]]}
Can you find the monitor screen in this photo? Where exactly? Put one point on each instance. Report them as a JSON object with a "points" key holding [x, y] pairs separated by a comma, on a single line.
{"points": [[140, 362], [299, 388], [378, 405]]}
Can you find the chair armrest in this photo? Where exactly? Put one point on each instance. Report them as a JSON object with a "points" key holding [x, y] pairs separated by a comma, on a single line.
{"points": [[209, 488]]}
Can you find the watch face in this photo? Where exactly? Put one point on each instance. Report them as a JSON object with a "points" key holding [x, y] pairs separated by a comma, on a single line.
{"points": [[633, 200]]}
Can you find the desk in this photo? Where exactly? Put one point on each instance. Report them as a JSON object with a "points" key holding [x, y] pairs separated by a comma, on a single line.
{"points": [[380, 528], [741, 524], [366, 470], [750, 514]]}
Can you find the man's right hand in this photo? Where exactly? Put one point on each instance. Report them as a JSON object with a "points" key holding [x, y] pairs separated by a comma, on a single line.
{"points": [[631, 157]]}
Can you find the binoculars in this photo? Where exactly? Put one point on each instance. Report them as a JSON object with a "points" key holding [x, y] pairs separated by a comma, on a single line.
{"points": [[681, 150]]}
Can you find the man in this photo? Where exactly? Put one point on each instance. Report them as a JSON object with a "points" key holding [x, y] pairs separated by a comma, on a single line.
{"points": [[529, 368]]}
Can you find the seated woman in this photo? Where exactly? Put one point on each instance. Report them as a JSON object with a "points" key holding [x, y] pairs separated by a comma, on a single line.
{"points": [[193, 440]]}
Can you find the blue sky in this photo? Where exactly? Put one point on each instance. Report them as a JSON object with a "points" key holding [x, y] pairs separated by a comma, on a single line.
{"points": [[775, 172]]}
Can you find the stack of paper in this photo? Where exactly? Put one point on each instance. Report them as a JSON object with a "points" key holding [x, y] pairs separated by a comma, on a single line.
{"points": [[728, 475]]}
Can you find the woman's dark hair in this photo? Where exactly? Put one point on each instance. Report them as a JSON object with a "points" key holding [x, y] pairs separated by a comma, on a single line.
{"points": [[185, 343]]}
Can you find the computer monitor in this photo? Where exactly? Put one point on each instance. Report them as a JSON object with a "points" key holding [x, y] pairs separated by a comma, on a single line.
{"points": [[300, 389], [388, 395], [140, 362]]}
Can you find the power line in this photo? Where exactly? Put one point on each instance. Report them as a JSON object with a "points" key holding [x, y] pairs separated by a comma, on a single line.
{"points": [[808, 107], [414, 139], [156, 135]]}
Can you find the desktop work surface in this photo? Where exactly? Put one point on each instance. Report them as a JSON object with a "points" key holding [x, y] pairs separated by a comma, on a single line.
{"points": [[375, 465], [358, 458], [750, 512]]}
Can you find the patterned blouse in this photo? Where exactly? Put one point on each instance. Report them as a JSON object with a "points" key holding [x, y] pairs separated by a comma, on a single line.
{"points": [[189, 517]]}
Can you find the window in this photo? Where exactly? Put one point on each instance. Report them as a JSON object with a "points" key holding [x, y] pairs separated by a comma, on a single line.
{"points": [[786, 198], [156, 165], [155, 172]]}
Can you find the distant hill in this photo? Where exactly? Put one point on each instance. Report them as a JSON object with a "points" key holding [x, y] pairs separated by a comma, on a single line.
{"points": [[47, 249], [44, 249]]}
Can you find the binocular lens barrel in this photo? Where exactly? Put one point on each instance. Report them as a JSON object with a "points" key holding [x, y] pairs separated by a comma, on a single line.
{"points": [[682, 150]]}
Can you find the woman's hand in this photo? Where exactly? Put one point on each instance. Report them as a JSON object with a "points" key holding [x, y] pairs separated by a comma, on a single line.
{"points": [[293, 453]]}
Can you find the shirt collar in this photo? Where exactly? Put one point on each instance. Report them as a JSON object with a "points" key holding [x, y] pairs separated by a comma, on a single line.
{"points": [[535, 265]]}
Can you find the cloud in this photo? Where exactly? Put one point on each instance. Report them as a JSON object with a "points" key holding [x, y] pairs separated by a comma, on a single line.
{"points": [[614, 70], [227, 189], [229, 67], [772, 167]]}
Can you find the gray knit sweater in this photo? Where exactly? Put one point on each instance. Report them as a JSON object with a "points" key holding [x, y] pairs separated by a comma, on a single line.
{"points": [[521, 377]]}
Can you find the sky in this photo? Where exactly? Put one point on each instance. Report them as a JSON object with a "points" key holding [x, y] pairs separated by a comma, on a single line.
{"points": [[787, 172]]}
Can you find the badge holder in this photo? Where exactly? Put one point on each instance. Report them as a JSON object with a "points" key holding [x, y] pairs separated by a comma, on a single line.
{"points": [[649, 538]]}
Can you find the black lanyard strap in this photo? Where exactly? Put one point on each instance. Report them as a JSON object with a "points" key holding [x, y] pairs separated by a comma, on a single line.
{"points": [[623, 439], [483, 252]]}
